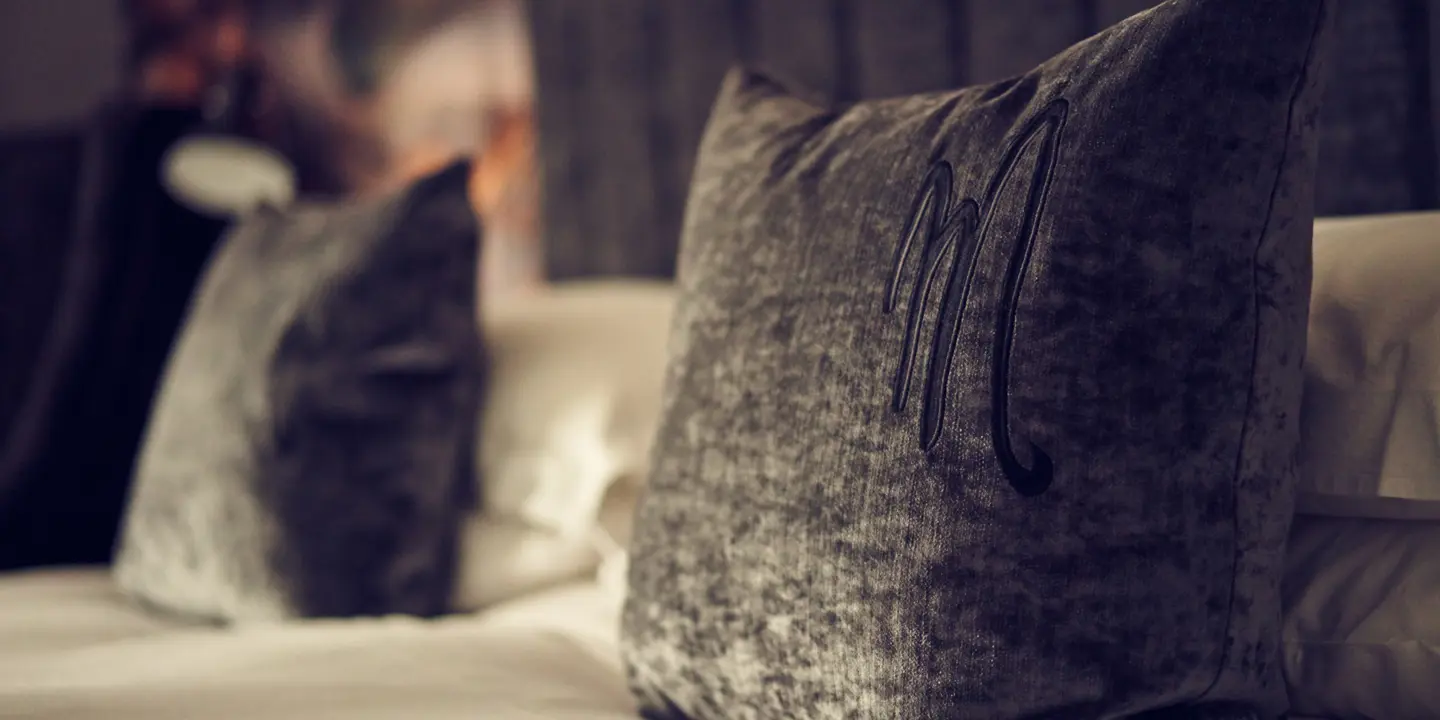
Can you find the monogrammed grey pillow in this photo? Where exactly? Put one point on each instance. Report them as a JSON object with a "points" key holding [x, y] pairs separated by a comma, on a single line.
{"points": [[309, 450], [983, 404]]}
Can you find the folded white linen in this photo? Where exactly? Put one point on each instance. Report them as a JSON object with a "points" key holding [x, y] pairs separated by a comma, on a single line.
{"points": [[72, 648]]}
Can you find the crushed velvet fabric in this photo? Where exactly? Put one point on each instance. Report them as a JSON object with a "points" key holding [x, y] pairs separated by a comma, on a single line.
{"points": [[982, 404], [310, 447]]}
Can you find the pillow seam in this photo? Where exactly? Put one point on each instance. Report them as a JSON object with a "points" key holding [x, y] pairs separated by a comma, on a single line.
{"points": [[1300, 82]]}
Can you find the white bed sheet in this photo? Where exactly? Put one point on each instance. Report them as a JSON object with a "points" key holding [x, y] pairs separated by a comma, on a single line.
{"points": [[72, 649]]}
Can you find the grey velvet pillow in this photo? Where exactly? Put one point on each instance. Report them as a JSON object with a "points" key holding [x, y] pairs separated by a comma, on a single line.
{"points": [[309, 450], [983, 404]]}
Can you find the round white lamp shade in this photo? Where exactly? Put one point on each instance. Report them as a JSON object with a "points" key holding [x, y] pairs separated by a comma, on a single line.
{"points": [[226, 175]]}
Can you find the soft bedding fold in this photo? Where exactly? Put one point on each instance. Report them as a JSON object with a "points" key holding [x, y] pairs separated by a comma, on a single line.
{"points": [[71, 648]]}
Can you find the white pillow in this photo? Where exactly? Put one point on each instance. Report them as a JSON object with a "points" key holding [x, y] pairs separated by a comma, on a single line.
{"points": [[577, 371], [1362, 576], [1362, 619], [1370, 425]]}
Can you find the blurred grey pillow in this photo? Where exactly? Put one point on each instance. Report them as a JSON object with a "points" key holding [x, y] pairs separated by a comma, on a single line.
{"points": [[309, 453], [983, 404]]}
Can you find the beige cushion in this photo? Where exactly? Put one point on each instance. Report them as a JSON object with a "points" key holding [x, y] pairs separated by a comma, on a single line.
{"points": [[1362, 619], [565, 434], [1371, 419], [1362, 583]]}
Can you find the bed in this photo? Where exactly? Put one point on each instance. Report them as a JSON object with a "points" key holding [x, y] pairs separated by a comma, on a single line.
{"points": [[624, 88], [73, 648]]}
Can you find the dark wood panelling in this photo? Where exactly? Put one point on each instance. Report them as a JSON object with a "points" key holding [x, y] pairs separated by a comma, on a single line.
{"points": [[906, 46], [1419, 112], [1109, 12], [1431, 40], [1364, 118], [799, 41], [699, 40], [38, 177], [618, 140], [618, 98], [561, 66], [1011, 37]]}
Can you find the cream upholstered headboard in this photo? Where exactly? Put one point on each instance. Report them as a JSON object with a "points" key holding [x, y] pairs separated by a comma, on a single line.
{"points": [[624, 88]]}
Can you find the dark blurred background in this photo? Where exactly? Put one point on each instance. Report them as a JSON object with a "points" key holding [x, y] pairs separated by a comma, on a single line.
{"points": [[98, 257], [58, 60]]}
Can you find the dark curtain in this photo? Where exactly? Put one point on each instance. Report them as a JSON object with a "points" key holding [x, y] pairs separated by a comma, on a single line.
{"points": [[119, 269], [39, 176], [625, 87]]}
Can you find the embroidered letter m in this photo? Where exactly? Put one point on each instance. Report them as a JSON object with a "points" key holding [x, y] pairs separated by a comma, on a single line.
{"points": [[958, 230]]}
